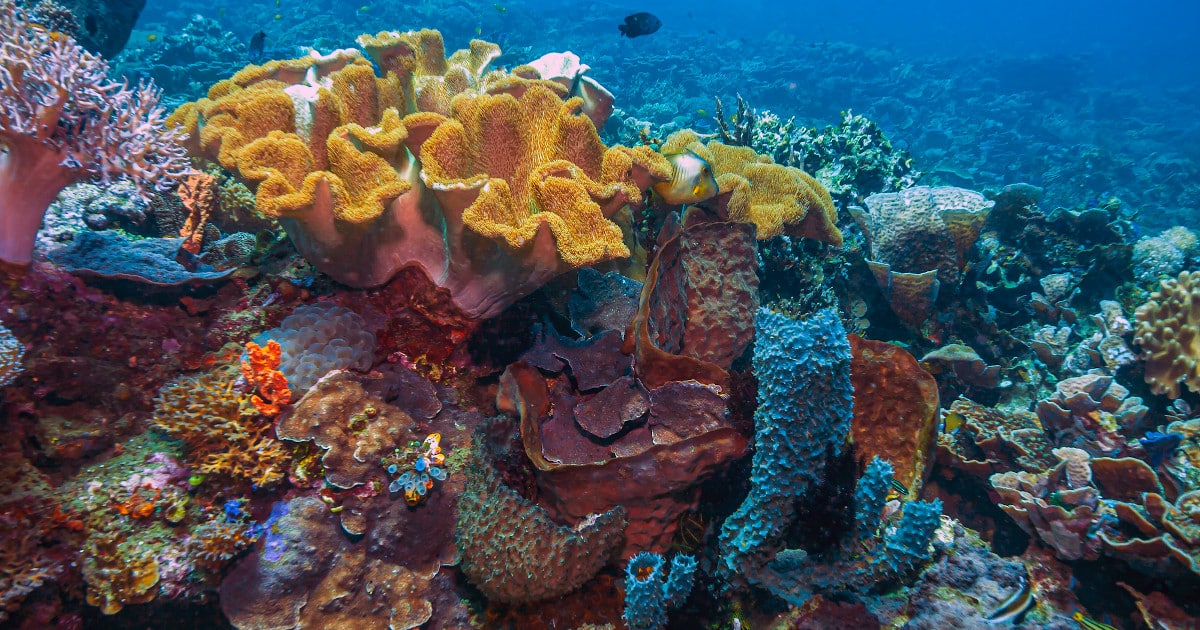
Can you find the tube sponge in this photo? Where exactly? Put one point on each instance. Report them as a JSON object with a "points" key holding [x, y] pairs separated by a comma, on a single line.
{"points": [[649, 593], [871, 495], [318, 338]]}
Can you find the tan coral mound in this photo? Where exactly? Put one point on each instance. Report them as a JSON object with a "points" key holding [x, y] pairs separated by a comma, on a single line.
{"points": [[1168, 331], [753, 189]]}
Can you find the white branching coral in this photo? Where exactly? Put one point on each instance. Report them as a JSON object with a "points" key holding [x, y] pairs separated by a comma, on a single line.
{"points": [[62, 121]]}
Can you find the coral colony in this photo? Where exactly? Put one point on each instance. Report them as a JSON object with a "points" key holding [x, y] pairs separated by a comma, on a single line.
{"points": [[386, 336]]}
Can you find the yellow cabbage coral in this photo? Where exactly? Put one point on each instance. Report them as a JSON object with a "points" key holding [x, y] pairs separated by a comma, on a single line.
{"points": [[1168, 331], [753, 189], [491, 184]]}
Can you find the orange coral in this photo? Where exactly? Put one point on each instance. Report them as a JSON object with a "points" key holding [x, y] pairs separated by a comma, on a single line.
{"points": [[198, 191], [260, 368], [895, 409]]}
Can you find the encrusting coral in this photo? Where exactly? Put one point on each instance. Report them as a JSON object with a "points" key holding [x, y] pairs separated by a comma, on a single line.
{"points": [[511, 549], [63, 121], [1168, 332]]}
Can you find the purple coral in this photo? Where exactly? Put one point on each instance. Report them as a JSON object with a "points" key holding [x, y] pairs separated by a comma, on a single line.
{"points": [[62, 121]]}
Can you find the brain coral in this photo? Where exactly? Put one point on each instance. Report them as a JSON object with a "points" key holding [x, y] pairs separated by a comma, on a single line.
{"points": [[511, 549], [1168, 331]]}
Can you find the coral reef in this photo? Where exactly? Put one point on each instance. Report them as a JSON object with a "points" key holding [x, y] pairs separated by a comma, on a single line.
{"points": [[1167, 333], [62, 120]]}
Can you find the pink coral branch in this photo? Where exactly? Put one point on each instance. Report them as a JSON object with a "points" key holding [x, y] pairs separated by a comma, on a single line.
{"points": [[63, 121]]}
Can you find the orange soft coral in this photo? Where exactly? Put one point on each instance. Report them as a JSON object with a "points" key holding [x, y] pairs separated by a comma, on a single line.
{"points": [[260, 368], [198, 192]]}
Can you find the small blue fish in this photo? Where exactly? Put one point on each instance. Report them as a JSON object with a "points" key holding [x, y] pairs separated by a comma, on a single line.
{"points": [[1160, 446]]}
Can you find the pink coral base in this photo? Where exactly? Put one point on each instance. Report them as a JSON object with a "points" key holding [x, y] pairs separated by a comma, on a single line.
{"points": [[31, 176]]}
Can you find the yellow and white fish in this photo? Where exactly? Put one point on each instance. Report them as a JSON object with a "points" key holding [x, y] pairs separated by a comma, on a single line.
{"points": [[692, 180]]}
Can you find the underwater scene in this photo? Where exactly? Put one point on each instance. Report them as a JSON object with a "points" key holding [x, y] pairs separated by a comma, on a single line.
{"points": [[532, 315]]}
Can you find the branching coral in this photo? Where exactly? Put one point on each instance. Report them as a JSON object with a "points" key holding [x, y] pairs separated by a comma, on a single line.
{"points": [[1168, 331], [63, 121], [260, 368], [220, 430]]}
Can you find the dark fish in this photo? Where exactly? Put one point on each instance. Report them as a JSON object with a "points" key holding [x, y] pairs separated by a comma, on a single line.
{"points": [[639, 24], [256, 46], [1160, 446]]}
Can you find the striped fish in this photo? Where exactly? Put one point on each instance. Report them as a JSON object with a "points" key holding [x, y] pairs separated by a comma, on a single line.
{"points": [[1087, 623], [1014, 606], [692, 180]]}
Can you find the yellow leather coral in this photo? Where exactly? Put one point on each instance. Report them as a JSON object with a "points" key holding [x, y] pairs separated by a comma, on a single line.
{"points": [[533, 164], [513, 189], [1168, 331], [754, 189]]}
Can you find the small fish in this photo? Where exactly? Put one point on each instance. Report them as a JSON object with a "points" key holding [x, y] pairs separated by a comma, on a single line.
{"points": [[639, 24], [1087, 623], [897, 488], [278, 16], [952, 421], [221, 12], [152, 37], [1160, 446], [500, 8], [256, 46], [478, 31], [692, 180], [702, 112], [1014, 606], [364, 8]]}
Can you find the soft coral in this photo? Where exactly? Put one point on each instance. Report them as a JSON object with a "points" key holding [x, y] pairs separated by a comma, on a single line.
{"points": [[63, 121]]}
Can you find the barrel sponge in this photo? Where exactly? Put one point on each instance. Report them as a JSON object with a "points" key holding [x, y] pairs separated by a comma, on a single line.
{"points": [[512, 550], [1168, 331], [318, 338]]}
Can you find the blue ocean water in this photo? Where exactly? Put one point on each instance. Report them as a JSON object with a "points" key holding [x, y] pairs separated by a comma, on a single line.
{"points": [[1088, 100]]}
